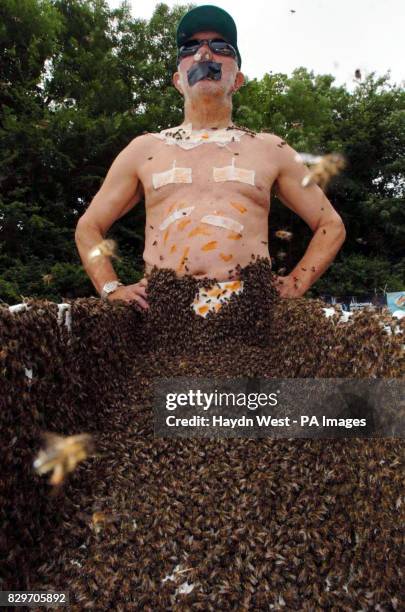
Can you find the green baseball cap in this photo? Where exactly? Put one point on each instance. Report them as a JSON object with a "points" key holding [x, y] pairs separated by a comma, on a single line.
{"points": [[208, 17]]}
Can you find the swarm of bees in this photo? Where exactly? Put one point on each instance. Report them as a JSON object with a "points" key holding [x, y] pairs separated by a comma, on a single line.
{"points": [[323, 170], [159, 504], [62, 454], [105, 248]]}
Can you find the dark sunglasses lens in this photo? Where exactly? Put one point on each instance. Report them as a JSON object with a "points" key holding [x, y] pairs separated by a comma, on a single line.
{"points": [[190, 45], [222, 47]]}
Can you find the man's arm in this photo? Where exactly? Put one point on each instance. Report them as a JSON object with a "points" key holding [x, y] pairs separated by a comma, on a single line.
{"points": [[120, 191], [311, 204]]}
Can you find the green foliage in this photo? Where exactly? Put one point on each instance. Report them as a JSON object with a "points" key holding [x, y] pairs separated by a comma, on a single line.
{"points": [[357, 274], [79, 81]]}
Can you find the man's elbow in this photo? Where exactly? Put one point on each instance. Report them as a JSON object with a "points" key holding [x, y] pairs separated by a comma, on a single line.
{"points": [[341, 229], [334, 223], [84, 225], [83, 231], [80, 226]]}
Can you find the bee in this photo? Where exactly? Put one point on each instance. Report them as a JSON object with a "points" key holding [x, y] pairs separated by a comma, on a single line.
{"points": [[328, 167], [357, 74], [97, 520], [100, 520], [106, 248], [283, 235], [47, 279], [308, 158], [62, 454]]}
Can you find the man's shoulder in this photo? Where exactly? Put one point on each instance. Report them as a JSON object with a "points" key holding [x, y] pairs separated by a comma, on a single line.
{"points": [[285, 153], [270, 138], [143, 140]]}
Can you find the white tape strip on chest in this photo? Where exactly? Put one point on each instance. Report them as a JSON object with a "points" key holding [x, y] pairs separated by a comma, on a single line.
{"points": [[175, 216], [224, 222], [231, 173], [187, 138], [174, 175]]}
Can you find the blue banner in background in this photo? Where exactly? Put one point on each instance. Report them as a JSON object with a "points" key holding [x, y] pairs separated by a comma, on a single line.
{"points": [[396, 301]]}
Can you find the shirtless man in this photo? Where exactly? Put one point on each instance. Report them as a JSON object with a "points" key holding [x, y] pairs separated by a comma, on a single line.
{"points": [[206, 184]]}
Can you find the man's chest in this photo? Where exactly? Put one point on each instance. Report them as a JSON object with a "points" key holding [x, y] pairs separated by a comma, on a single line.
{"points": [[246, 167]]}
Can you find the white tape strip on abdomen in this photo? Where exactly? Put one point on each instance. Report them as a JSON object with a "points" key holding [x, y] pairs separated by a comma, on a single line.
{"points": [[224, 222], [175, 216], [231, 173], [174, 175]]}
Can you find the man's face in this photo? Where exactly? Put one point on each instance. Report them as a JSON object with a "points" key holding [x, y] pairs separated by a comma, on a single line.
{"points": [[231, 77]]}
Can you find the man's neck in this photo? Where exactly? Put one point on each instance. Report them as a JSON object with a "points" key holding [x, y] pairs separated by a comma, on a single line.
{"points": [[206, 115]]}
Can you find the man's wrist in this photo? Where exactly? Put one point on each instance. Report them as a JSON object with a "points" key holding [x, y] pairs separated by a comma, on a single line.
{"points": [[109, 287], [289, 286]]}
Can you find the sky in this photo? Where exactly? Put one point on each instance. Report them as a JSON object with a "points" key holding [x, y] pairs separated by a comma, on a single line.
{"points": [[334, 37]]}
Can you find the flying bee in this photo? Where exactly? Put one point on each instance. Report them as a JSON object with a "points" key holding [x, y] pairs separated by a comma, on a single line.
{"points": [[329, 166], [47, 279], [106, 248], [308, 158], [62, 454], [283, 235]]}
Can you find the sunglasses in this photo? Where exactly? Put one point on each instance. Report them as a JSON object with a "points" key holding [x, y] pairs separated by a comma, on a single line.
{"points": [[216, 45]]}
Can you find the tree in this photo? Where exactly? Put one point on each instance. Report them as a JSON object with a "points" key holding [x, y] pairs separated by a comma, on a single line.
{"points": [[79, 81]]}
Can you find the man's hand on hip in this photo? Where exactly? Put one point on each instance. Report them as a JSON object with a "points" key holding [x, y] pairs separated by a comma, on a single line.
{"points": [[132, 293], [288, 287]]}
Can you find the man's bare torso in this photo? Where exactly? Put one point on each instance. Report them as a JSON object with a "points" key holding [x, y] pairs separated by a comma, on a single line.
{"points": [[219, 217]]}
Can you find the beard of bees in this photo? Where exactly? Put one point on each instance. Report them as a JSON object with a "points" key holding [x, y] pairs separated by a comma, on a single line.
{"points": [[204, 70]]}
